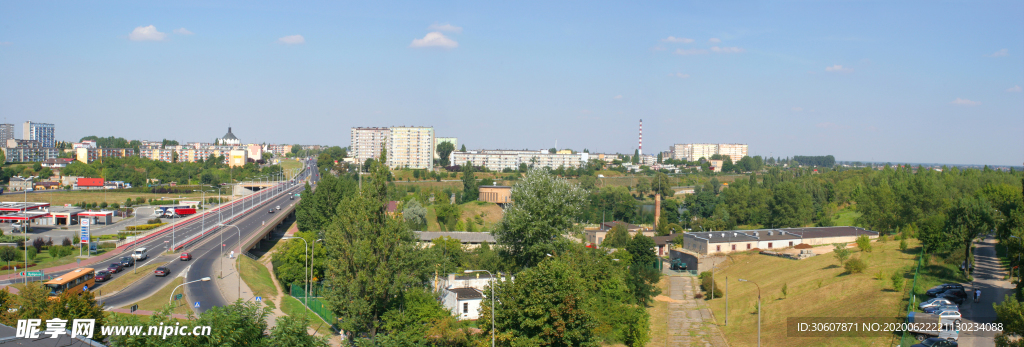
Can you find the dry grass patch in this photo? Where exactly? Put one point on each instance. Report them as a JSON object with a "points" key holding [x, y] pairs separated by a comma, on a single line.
{"points": [[659, 316], [817, 287], [158, 300]]}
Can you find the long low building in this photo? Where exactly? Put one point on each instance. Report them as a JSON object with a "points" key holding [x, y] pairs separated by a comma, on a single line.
{"points": [[469, 239], [497, 160], [743, 240]]}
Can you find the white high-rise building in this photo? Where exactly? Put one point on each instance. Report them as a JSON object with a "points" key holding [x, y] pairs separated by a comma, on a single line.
{"points": [[42, 132], [367, 143], [695, 151], [411, 147], [735, 151], [6, 133]]}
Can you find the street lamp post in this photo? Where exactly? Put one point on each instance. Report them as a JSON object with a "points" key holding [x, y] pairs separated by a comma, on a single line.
{"points": [[236, 257], [758, 310], [171, 299], [312, 253], [492, 300]]}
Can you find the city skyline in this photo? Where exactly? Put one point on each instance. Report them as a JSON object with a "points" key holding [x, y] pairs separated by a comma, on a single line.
{"points": [[906, 82]]}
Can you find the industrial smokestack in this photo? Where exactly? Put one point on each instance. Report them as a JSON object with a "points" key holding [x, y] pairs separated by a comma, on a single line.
{"points": [[657, 210]]}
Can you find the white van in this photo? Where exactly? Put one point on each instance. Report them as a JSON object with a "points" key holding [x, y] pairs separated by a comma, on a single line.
{"points": [[140, 253]]}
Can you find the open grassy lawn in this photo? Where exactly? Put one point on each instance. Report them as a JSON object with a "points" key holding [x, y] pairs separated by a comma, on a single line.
{"points": [[432, 219], [61, 197], [160, 299], [659, 317], [490, 213], [817, 287], [290, 164], [257, 277], [935, 271], [293, 307], [846, 217], [126, 277], [44, 260]]}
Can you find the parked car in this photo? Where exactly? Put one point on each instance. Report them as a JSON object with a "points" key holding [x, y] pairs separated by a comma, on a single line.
{"points": [[935, 302], [102, 276], [936, 342], [127, 261], [935, 309], [939, 289], [955, 295], [115, 268], [162, 271], [949, 315], [185, 256]]}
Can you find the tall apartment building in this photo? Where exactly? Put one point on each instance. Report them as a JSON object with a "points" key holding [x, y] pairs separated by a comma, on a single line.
{"points": [[411, 147], [367, 143], [438, 140], [88, 155], [27, 151], [695, 151], [6, 132], [42, 132]]}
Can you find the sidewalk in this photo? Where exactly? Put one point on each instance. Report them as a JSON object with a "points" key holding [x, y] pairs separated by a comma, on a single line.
{"points": [[231, 284], [690, 322], [988, 276]]}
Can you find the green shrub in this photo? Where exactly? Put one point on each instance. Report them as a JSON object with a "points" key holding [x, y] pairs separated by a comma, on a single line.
{"points": [[897, 281], [864, 243], [706, 284], [903, 245], [855, 265], [143, 227]]}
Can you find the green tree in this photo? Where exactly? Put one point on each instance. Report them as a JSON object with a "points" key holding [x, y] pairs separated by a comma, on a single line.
{"points": [[291, 331], [841, 253], [470, 190], [546, 305], [855, 265], [1010, 313], [447, 255], [617, 237], [8, 254], [790, 206], [444, 150], [966, 219], [374, 258], [415, 214], [448, 214], [463, 149], [545, 209], [864, 243], [636, 157], [644, 274], [897, 281]]}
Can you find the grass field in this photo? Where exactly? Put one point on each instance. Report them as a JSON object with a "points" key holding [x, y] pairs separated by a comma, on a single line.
{"points": [[126, 277], [293, 307], [160, 299], [290, 164], [257, 277], [659, 317], [61, 197], [490, 212], [846, 217], [817, 287]]}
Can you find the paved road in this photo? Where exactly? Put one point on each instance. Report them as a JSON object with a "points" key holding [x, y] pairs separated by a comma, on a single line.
{"points": [[205, 253], [988, 276]]}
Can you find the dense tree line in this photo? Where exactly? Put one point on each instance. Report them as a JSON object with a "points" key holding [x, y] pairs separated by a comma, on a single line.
{"points": [[820, 161]]}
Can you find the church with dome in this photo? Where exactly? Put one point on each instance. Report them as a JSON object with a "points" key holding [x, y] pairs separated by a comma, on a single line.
{"points": [[229, 139]]}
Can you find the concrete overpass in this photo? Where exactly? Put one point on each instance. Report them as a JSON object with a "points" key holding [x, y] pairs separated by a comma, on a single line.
{"points": [[249, 187]]}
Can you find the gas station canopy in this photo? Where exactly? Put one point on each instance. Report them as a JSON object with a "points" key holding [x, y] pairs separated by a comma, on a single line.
{"points": [[8, 206]]}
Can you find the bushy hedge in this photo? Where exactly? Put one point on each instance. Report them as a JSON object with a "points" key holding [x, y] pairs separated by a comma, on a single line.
{"points": [[143, 227], [705, 284]]}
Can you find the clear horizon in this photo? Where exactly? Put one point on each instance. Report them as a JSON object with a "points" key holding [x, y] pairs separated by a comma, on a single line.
{"points": [[908, 82]]}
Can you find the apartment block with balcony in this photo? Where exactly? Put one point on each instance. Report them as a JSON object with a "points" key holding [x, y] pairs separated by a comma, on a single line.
{"points": [[88, 155], [368, 142], [411, 147], [42, 132], [695, 151], [20, 151], [6, 132]]}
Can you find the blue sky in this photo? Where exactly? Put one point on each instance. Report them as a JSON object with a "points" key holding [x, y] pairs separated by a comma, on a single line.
{"points": [[899, 81]]}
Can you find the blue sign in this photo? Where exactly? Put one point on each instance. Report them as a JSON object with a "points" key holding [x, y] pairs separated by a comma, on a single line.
{"points": [[85, 288], [85, 230], [259, 298], [197, 304]]}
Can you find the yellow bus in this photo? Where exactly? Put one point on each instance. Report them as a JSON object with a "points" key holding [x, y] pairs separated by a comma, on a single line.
{"points": [[74, 281]]}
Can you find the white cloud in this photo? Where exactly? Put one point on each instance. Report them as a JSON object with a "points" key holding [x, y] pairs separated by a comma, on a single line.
{"points": [[679, 74], [714, 40], [434, 39], [838, 68], [445, 27], [182, 31], [717, 49], [797, 109], [147, 33], [292, 40], [617, 97], [965, 102], [674, 39], [691, 51], [1000, 53], [1014, 89]]}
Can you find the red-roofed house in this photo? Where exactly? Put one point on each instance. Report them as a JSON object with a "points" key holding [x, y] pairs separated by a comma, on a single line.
{"points": [[89, 183]]}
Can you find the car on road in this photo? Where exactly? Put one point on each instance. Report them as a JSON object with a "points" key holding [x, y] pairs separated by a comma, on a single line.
{"points": [[185, 256], [935, 302], [935, 309], [278, 207], [140, 253], [102, 276], [939, 289], [936, 342], [127, 261], [115, 268], [949, 315], [271, 211], [162, 271]]}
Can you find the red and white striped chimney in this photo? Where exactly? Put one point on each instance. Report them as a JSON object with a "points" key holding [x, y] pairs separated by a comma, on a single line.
{"points": [[641, 140]]}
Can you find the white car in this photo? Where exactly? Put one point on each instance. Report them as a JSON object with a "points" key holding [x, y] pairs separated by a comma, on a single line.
{"points": [[949, 315], [935, 302]]}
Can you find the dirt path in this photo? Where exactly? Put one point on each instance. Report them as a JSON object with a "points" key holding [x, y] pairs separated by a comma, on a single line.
{"points": [[279, 299]]}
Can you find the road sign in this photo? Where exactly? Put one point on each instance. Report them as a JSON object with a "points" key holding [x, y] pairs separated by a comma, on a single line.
{"points": [[85, 288], [135, 307], [197, 304], [177, 297], [31, 273], [259, 298]]}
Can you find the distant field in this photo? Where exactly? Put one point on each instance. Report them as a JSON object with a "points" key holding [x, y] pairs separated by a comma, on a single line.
{"points": [[290, 164], [846, 217], [491, 213], [817, 287]]}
